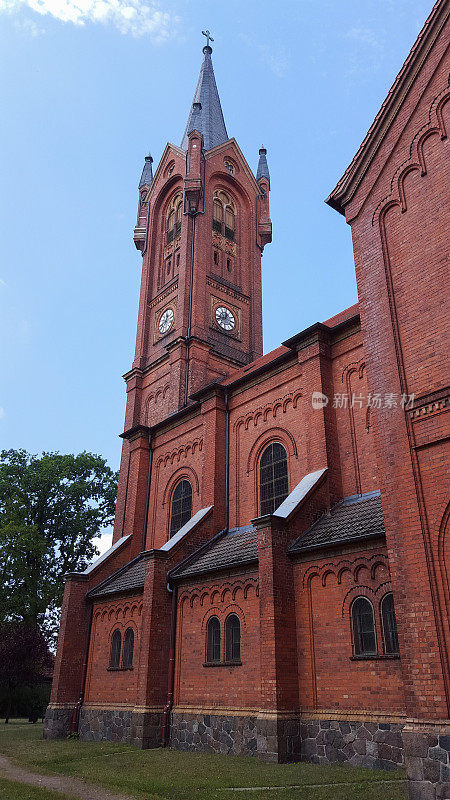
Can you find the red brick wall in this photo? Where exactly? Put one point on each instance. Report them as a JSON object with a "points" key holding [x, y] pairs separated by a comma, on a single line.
{"points": [[102, 684], [329, 677], [400, 223], [221, 686]]}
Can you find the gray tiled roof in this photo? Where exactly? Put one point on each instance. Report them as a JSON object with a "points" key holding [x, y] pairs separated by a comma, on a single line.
{"points": [[354, 518], [147, 172], [206, 112], [263, 167], [128, 579], [238, 546]]}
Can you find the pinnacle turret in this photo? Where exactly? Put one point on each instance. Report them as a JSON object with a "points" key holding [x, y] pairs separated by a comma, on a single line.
{"points": [[147, 172], [263, 169]]}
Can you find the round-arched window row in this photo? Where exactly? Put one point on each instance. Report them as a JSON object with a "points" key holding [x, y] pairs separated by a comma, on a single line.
{"points": [[117, 650], [174, 214], [364, 631], [273, 478], [232, 644], [181, 506]]}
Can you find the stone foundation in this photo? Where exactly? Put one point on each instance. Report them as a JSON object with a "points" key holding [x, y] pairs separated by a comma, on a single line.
{"points": [[214, 733], [97, 724], [57, 722], [375, 745], [427, 762]]}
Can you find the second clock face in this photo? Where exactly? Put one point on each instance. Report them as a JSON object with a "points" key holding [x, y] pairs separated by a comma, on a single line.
{"points": [[165, 320], [225, 318]]}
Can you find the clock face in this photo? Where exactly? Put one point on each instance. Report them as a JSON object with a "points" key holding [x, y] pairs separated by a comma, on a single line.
{"points": [[225, 318], [165, 320]]}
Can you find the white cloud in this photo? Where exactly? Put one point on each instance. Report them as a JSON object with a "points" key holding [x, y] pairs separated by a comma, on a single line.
{"points": [[2, 412], [2, 282], [128, 16]]}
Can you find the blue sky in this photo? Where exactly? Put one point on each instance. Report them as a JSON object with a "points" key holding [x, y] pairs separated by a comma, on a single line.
{"points": [[88, 88]]}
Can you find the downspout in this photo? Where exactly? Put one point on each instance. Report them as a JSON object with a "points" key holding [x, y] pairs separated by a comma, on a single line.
{"points": [[227, 461], [193, 215], [165, 728], [147, 499], [191, 283], [75, 722]]}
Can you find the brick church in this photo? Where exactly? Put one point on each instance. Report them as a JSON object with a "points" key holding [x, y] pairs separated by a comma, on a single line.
{"points": [[278, 582]]}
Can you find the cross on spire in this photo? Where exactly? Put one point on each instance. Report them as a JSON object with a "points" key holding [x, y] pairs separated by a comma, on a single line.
{"points": [[209, 38]]}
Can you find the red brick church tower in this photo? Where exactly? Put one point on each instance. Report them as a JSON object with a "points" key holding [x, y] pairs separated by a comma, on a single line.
{"points": [[278, 582]]}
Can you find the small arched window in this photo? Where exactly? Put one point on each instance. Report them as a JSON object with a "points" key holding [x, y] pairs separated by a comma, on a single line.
{"points": [[273, 478], [224, 215], [213, 641], [116, 646], [390, 637], [128, 648], [233, 638], [181, 510], [363, 624]]}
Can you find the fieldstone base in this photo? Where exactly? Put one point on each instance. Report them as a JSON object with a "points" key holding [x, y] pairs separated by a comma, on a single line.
{"points": [[57, 722], [214, 733], [427, 762], [375, 745], [97, 724], [146, 728]]}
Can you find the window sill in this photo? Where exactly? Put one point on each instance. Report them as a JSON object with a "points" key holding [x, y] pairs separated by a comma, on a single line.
{"points": [[377, 657], [119, 669], [222, 664]]}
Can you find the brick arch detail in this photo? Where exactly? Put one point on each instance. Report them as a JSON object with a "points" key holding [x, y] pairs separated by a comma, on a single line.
{"points": [[271, 435], [443, 545], [183, 472], [345, 565]]}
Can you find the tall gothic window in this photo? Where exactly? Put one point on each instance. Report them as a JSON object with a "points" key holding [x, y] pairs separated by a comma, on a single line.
{"points": [[181, 510], [233, 638], [363, 624], [213, 641], [273, 478], [128, 648], [174, 213], [116, 646], [224, 215], [390, 638]]}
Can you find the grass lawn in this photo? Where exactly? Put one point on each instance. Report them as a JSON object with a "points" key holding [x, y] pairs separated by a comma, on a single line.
{"points": [[10, 790], [173, 775]]}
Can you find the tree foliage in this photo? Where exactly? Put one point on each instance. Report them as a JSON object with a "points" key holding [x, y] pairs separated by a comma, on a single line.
{"points": [[51, 509], [25, 661]]}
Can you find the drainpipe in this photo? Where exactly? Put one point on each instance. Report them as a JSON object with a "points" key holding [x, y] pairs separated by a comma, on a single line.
{"points": [[192, 214], [75, 722], [165, 731], [147, 499], [227, 461]]}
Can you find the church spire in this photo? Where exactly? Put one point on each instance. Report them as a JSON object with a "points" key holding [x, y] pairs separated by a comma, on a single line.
{"points": [[206, 114]]}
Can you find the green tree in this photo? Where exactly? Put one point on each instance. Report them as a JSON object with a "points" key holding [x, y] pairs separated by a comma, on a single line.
{"points": [[51, 509]]}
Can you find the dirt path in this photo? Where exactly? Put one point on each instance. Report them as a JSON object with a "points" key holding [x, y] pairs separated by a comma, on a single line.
{"points": [[59, 783]]}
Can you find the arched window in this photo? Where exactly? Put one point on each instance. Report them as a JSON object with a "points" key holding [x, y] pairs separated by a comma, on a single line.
{"points": [[174, 213], [390, 638], [128, 648], [217, 215], [181, 510], [224, 215], [116, 646], [213, 641], [273, 478], [233, 638], [363, 624]]}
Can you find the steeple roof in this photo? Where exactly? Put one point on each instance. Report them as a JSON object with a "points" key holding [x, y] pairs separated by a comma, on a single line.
{"points": [[147, 172], [206, 114], [263, 168]]}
